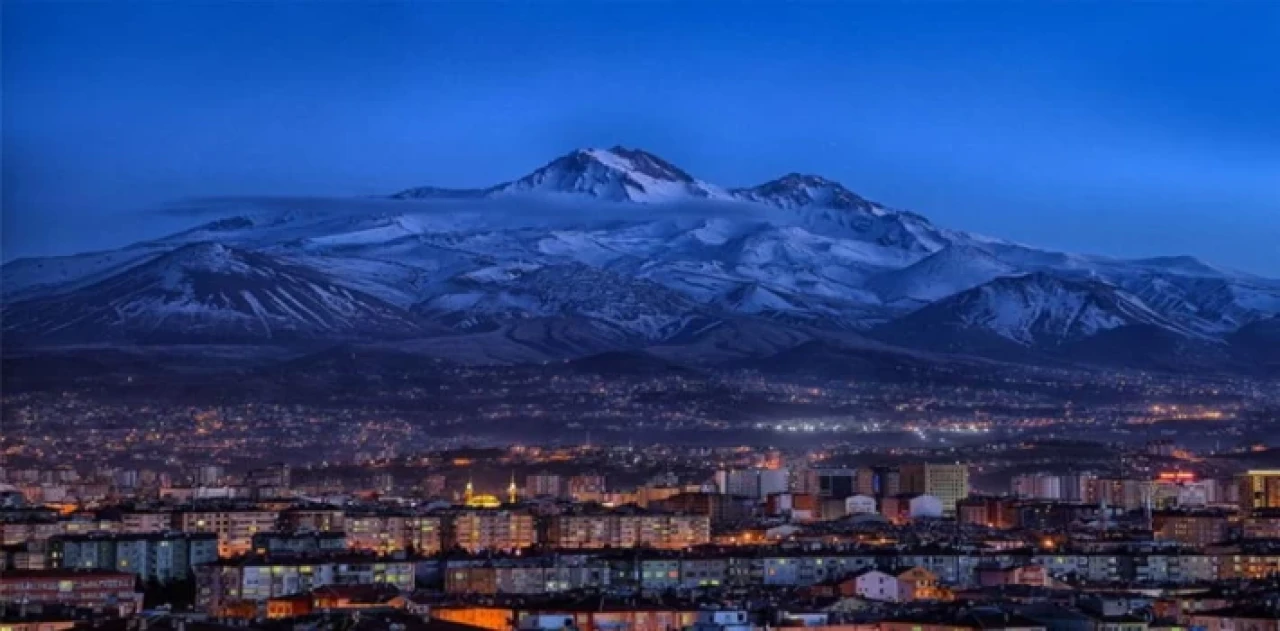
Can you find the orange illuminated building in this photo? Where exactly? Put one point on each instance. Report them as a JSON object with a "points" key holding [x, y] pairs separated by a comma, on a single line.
{"points": [[492, 618], [918, 583], [1248, 565], [991, 512], [289, 606], [632, 618], [242, 609], [1259, 490], [339, 597], [41, 625]]}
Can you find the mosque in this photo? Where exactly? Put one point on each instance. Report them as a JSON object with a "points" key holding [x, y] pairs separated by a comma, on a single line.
{"points": [[484, 500]]}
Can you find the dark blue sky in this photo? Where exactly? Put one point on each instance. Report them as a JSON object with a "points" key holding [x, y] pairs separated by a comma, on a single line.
{"points": [[1130, 129]]}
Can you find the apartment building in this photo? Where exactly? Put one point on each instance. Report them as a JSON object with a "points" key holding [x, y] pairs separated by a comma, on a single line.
{"points": [[617, 529], [947, 482], [483, 529], [161, 557], [235, 528], [256, 579]]}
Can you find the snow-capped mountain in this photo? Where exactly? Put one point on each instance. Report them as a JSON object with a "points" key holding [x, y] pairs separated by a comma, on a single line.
{"points": [[208, 292], [617, 174], [24, 278], [950, 270], [1212, 305], [607, 249], [828, 207], [634, 307], [1034, 311], [795, 190]]}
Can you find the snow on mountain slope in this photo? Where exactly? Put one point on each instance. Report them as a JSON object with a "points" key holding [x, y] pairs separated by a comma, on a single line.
{"points": [[1184, 265], [702, 258], [827, 207], [207, 293], [633, 307], [639, 252], [616, 174], [1200, 297], [390, 281], [24, 278], [899, 230], [1031, 259], [822, 206], [1036, 310], [950, 270], [1212, 305], [436, 192], [794, 190], [752, 298], [300, 225]]}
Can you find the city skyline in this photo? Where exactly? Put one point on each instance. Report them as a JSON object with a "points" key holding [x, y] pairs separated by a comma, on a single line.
{"points": [[506, 315]]}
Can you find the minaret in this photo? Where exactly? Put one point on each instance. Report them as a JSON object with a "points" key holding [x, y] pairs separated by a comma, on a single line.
{"points": [[511, 489]]}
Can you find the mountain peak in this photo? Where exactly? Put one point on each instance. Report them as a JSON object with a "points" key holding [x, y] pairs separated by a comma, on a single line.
{"points": [[614, 174], [208, 292], [800, 190], [1036, 310], [438, 192], [622, 159], [620, 173], [807, 179], [952, 269], [796, 258]]}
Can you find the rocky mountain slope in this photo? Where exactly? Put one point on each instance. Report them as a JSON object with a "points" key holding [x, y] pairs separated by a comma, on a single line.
{"points": [[209, 293], [604, 250]]}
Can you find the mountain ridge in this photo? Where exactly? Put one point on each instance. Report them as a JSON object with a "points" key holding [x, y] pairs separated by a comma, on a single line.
{"points": [[1036, 311], [209, 292], [559, 263]]}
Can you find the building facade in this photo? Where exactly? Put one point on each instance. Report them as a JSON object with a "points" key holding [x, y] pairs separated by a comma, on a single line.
{"points": [[160, 557], [947, 482]]}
